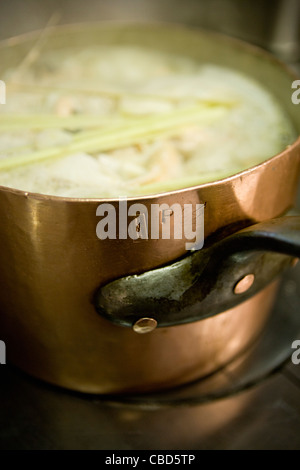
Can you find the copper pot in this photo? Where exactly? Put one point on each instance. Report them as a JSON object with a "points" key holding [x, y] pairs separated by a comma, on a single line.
{"points": [[55, 320]]}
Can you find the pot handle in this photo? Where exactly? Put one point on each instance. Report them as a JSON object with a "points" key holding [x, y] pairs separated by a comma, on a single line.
{"points": [[204, 283]]}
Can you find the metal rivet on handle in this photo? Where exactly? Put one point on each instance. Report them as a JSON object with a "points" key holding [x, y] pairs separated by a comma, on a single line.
{"points": [[145, 325], [244, 284]]}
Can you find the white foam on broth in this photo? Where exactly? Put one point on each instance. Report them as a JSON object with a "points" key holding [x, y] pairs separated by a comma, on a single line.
{"points": [[131, 82]]}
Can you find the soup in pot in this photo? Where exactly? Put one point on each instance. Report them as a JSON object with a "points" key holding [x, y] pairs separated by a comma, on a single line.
{"points": [[123, 120]]}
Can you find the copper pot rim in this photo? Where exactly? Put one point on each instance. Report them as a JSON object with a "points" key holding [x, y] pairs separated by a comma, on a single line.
{"points": [[248, 47]]}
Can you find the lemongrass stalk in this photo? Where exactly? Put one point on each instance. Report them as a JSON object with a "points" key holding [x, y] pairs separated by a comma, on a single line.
{"points": [[146, 126], [34, 53], [13, 122], [10, 122], [119, 94], [115, 137], [185, 182]]}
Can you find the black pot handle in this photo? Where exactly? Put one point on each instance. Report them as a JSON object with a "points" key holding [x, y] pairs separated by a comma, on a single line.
{"points": [[206, 282]]}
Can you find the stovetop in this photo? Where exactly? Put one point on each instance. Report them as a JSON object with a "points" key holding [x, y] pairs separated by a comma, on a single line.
{"points": [[253, 403]]}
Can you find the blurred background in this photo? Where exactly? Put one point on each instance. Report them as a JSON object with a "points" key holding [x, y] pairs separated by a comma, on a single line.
{"points": [[272, 24]]}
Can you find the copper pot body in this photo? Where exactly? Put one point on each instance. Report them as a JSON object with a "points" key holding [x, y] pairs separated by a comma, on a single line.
{"points": [[52, 262]]}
